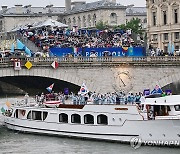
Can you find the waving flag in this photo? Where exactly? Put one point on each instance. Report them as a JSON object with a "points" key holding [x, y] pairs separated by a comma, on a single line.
{"points": [[55, 64], [125, 49], [157, 90], [50, 88], [83, 89], [6, 106], [76, 51]]}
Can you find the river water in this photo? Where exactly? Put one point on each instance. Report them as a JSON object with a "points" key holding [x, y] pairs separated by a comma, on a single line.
{"points": [[18, 143]]}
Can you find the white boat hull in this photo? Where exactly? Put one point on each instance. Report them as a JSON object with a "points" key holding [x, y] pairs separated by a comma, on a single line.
{"points": [[168, 130]]}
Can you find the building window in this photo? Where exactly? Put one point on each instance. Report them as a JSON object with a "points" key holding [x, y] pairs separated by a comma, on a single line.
{"points": [[63, 118], [84, 21], [145, 20], [79, 21], [177, 48], [155, 37], [154, 18], [176, 35], [69, 22], [1, 26], [102, 119], [165, 36], [94, 20], [74, 21], [76, 118], [89, 20], [113, 18], [164, 17], [176, 16], [88, 119], [64, 21]]}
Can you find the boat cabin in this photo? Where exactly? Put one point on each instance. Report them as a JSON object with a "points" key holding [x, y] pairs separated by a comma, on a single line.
{"points": [[167, 107]]}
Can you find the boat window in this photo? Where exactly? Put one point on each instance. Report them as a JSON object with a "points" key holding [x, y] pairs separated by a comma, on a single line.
{"points": [[88, 119], [102, 119], [63, 118], [177, 107], [19, 113], [168, 108], [29, 115], [76, 118], [16, 114], [45, 115], [36, 115]]}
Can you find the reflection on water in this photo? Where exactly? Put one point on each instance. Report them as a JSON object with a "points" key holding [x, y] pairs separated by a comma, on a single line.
{"points": [[20, 143]]}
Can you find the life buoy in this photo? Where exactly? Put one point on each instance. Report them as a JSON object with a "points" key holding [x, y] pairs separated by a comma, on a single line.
{"points": [[23, 112], [147, 107]]}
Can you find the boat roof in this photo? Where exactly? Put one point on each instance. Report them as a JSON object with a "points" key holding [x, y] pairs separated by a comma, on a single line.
{"points": [[166, 100]]}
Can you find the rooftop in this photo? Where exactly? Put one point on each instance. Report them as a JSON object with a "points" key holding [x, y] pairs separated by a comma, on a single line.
{"points": [[33, 10], [28, 10], [96, 5], [136, 11]]}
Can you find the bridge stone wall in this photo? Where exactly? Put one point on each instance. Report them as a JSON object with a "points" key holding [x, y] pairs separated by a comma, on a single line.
{"points": [[129, 78]]}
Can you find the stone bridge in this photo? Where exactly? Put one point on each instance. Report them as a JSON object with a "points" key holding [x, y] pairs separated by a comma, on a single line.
{"points": [[107, 74]]}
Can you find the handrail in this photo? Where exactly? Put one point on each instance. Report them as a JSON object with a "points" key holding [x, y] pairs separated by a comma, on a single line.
{"points": [[84, 60]]}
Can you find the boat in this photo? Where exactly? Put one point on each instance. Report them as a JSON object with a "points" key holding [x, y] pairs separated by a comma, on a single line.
{"points": [[155, 119]]}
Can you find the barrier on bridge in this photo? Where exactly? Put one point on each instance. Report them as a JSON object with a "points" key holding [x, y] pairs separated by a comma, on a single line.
{"points": [[115, 52]]}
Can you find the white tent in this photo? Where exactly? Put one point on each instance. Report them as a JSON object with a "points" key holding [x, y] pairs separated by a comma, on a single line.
{"points": [[49, 22]]}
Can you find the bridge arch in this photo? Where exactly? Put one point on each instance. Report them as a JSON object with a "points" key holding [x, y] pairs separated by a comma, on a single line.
{"points": [[62, 74], [166, 80]]}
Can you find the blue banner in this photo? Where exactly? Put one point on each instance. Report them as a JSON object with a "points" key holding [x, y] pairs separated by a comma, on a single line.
{"points": [[115, 52]]}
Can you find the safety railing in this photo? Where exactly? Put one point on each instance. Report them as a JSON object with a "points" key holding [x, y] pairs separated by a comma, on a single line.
{"points": [[83, 60]]}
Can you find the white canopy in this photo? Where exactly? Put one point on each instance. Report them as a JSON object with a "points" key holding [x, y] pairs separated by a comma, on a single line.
{"points": [[49, 22]]}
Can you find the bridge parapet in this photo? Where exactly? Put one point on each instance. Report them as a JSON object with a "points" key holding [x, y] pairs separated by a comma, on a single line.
{"points": [[95, 61]]}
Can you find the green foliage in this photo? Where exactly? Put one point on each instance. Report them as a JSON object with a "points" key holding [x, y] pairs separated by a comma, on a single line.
{"points": [[102, 25], [134, 24]]}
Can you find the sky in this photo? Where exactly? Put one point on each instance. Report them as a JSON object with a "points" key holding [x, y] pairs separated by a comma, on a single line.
{"points": [[43, 3]]}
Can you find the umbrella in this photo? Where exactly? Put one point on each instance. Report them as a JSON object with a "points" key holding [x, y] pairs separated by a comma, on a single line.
{"points": [[51, 23]]}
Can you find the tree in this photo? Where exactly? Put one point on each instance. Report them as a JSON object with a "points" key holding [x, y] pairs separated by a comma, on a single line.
{"points": [[134, 24], [102, 25]]}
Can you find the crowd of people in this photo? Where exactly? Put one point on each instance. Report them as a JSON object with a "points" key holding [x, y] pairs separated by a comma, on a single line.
{"points": [[158, 52], [108, 98], [92, 98], [47, 37]]}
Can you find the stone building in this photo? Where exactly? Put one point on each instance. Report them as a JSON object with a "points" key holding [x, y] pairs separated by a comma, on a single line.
{"points": [[81, 14], [23, 15], [85, 15], [137, 12], [163, 23]]}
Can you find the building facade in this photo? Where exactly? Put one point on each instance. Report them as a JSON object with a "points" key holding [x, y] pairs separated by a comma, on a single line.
{"points": [[13, 17], [86, 15], [81, 14], [163, 23]]}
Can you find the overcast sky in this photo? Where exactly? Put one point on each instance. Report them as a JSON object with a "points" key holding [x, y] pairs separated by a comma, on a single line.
{"points": [[11, 3]]}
